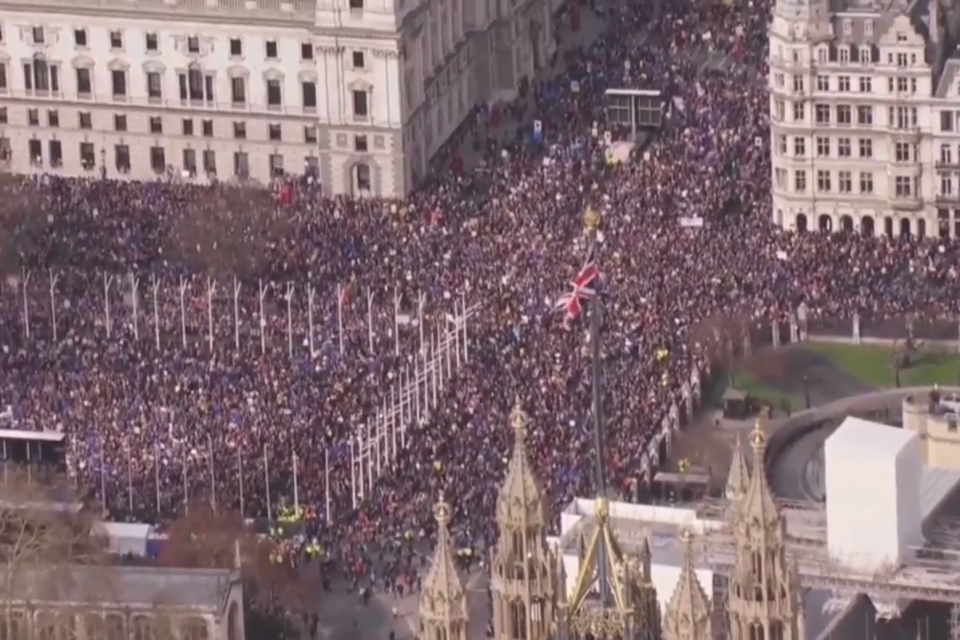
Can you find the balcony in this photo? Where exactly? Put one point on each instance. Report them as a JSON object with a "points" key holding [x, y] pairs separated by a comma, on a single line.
{"points": [[947, 164], [948, 198], [904, 202], [912, 133]]}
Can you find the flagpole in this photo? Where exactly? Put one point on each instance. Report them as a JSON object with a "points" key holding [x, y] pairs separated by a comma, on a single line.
{"points": [[326, 481], [296, 488], [340, 315]]}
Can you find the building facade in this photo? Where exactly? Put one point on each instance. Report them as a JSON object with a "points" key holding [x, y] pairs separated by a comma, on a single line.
{"points": [[358, 93], [864, 129]]}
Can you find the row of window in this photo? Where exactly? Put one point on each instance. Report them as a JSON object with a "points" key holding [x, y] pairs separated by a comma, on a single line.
{"points": [[152, 45], [195, 87], [18, 624], [846, 54], [844, 84], [904, 186], [844, 147]]}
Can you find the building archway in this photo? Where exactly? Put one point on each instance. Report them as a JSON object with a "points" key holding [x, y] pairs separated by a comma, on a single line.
{"points": [[905, 227], [921, 228], [888, 227], [866, 225], [801, 223], [846, 224], [362, 179], [779, 218], [825, 223]]}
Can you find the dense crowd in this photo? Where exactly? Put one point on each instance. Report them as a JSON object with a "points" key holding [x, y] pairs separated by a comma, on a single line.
{"points": [[188, 336]]}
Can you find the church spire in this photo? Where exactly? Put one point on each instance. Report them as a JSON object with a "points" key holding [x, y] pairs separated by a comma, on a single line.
{"points": [[520, 502], [688, 612], [443, 600], [758, 503], [739, 477]]}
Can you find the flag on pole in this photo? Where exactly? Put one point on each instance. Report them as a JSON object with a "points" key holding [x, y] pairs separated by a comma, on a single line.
{"points": [[570, 302]]}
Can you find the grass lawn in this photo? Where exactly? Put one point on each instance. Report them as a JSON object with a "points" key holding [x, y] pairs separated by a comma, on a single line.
{"points": [[874, 364], [755, 388]]}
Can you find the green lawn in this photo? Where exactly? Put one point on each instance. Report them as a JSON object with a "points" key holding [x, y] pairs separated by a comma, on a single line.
{"points": [[757, 389], [874, 364]]}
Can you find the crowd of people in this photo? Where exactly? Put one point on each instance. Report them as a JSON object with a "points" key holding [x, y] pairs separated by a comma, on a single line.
{"points": [[186, 337]]}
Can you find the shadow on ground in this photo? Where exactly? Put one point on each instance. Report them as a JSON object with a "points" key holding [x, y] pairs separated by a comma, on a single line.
{"points": [[784, 369]]}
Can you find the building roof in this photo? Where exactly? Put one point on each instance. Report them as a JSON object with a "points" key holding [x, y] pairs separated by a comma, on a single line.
{"points": [[133, 586]]}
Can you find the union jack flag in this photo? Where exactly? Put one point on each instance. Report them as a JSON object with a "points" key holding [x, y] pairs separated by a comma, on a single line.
{"points": [[570, 302]]}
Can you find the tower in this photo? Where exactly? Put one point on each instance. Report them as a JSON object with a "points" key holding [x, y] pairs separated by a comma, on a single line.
{"points": [[739, 477], [687, 616], [523, 573], [763, 602], [443, 600]]}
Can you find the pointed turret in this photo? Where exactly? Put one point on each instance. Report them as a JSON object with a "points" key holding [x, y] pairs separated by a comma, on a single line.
{"points": [[688, 612], [520, 501], [443, 600], [739, 477], [524, 581], [758, 504]]}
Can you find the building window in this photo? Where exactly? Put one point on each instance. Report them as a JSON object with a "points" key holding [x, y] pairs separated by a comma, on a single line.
{"points": [[236, 47], [187, 126], [193, 44], [903, 186], [823, 83], [359, 61], [866, 84], [158, 159], [843, 83], [271, 49], [85, 120], [902, 152], [38, 35], [306, 51], [55, 151], [190, 162], [845, 181], [35, 149], [121, 158], [823, 181], [946, 121], [782, 145], [866, 148], [780, 110], [843, 148], [241, 165], [84, 85], [275, 132], [33, 117], [80, 37], [156, 125], [799, 146], [866, 182], [207, 126], [946, 154], [53, 118], [844, 114], [309, 95], [116, 40], [364, 183], [798, 84], [210, 162], [356, 5], [823, 147], [88, 158], [822, 114], [360, 105], [310, 134], [4, 117], [192, 85], [240, 130], [120, 123], [276, 165], [800, 181], [274, 95], [3, 77], [238, 91], [864, 115], [154, 86], [946, 185], [118, 80], [360, 144], [799, 113], [780, 178], [153, 43]]}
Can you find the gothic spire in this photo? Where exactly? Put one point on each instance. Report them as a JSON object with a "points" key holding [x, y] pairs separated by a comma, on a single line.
{"points": [[443, 600], [739, 478], [688, 612], [520, 501], [758, 504]]}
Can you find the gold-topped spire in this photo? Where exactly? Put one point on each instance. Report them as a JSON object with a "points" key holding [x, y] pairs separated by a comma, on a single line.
{"points": [[519, 421], [441, 511], [758, 504], [443, 601], [757, 437], [739, 477], [520, 501], [688, 612]]}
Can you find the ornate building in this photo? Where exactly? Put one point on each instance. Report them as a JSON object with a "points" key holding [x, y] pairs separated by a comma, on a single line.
{"points": [[763, 599], [613, 596]]}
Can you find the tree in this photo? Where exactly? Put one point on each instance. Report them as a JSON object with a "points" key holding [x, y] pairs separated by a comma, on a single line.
{"points": [[207, 539]]}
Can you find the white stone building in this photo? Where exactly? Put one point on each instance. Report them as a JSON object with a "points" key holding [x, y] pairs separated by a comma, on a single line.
{"points": [[360, 93], [863, 134]]}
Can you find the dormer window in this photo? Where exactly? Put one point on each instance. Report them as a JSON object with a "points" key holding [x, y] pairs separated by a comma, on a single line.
{"points": [[822, 55], [868, 27], [847, 27], [38, 35], [901, 37]]}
